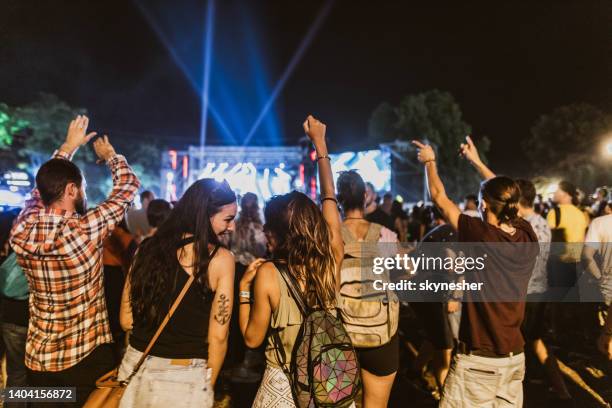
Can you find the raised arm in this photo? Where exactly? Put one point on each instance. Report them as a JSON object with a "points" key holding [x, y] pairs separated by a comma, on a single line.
{"points": [[76, 136], [449, 210], [100, 221], [469, 151], [315, 130]]}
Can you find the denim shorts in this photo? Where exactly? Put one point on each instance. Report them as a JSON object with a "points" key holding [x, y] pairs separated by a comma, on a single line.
{"points": [[162, 382]]}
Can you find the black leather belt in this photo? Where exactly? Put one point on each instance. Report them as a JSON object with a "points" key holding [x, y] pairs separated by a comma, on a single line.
{"points": [[463, 348]]}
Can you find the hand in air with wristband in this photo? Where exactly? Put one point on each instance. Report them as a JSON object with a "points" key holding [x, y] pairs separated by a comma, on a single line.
{"points": [[315, 130]]}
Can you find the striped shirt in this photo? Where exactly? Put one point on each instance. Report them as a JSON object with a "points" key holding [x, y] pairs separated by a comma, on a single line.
{"points": [[61, 254]]}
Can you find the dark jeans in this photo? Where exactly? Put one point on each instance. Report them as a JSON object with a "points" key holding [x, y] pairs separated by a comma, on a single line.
{"points": [[14, 338], [83, 376]]}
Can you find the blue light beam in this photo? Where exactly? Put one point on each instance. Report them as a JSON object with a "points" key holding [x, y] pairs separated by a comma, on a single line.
{"points": [[206, 80], [295, 59], [179, 62]]}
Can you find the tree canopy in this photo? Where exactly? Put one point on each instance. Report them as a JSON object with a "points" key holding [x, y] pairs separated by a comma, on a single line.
{"points": [[567, 144], [435, 117], [35, 130]]}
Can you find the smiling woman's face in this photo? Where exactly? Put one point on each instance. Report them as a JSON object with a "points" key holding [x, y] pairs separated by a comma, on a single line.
{"points": [[223, 221]]}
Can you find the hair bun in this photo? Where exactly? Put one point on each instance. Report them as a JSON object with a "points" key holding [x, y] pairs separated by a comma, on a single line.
{"points": [[509, 211]]}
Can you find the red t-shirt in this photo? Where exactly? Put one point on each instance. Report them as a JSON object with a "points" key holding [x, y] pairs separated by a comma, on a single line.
{"points": [[496, 325]]}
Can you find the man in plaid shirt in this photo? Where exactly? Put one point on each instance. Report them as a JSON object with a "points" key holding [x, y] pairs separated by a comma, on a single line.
{"points": [[59, 246]]}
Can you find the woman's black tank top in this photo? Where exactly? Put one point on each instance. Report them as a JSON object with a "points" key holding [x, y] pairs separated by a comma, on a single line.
{"points": [[186, 334]]}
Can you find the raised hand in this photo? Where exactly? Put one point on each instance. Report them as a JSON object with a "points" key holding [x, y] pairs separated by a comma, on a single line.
{"points": [[425, 152], [77, 134], [469, 151], [104, 150], [315, 129]]}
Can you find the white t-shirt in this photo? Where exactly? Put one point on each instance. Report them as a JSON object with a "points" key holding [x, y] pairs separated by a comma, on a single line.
{"points": [[599, 237]]}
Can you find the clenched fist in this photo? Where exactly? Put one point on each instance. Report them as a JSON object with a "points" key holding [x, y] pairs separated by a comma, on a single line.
{"points": [[315, 129]]}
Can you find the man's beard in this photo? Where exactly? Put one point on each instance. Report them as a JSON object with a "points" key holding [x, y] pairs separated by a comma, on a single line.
{"points": [[80, 205]]}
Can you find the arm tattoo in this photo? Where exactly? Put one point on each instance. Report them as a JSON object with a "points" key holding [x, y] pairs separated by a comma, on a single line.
{"points": [[223, 315]]}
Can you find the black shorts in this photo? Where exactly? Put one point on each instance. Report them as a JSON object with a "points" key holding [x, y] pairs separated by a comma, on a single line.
{"points": [[534, 323], [380, 361]]}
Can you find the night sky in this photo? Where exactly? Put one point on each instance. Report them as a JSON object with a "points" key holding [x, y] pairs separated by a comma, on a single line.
{"points": [[505, 63]]}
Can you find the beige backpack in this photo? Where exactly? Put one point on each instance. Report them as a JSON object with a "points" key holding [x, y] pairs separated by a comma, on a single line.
{"points": [[370, 316]]}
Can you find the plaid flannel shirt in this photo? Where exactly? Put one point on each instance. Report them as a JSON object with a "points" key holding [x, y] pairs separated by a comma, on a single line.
{"points": [[61, 254]]}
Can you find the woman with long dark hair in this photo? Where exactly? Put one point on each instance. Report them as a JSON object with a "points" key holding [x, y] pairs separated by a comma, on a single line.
{"points": [[183, 366], [489, 366], [308, 239]]}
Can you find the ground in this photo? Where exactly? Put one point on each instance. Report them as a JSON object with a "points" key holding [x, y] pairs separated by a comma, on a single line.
{"points": [[587, 374]]}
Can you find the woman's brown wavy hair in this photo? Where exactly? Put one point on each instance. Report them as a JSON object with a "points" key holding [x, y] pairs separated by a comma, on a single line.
{"points": [[303, 240]]}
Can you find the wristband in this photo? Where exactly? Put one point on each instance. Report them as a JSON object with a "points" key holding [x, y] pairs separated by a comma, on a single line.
{"points": [[324, 157], [329, 198], [245, 302], [244, 294]]}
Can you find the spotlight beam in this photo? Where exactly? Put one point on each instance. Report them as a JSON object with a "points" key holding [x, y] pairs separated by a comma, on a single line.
{"points": [[210, 11], [179, 62], [295, 59]]}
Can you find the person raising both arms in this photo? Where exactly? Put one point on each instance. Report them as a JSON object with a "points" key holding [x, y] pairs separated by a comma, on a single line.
{"points": [[491, 344], [58, 243]]}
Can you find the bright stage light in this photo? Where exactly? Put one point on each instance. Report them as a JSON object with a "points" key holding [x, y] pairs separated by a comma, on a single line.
{"points": [[246, 178], [16, 175], [551, 188], [11, 198], [372, 165]]}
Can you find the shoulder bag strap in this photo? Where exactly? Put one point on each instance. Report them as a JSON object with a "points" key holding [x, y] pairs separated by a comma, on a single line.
{"points": [[164, 322], [557, 216]]}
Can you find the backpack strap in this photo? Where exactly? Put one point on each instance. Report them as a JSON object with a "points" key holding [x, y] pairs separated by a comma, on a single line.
{"points": [[353, 248], [292, 285], [557, 216], [373, 234], [295, 294]]}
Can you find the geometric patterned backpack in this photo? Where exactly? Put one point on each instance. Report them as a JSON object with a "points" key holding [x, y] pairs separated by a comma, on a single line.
{"points": [[324, 371]]}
